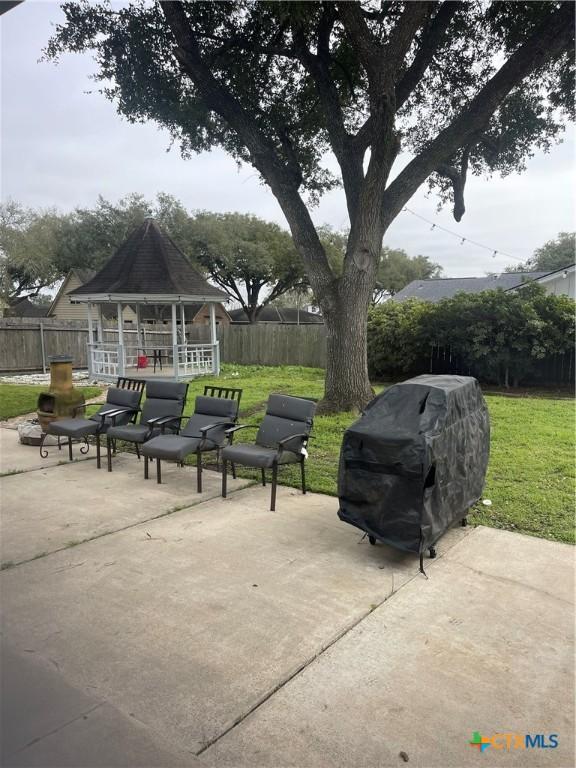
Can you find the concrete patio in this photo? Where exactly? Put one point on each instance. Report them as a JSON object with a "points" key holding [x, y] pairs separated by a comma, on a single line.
{"points": [[145, 625]]}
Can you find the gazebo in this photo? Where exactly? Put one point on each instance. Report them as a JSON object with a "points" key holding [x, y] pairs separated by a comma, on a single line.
{"points": [[148, 268]]}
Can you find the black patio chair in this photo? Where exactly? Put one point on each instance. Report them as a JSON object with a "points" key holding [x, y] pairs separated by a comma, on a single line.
{"points": [[281, 439], [121, 406], [165, 401], [204, 432]]}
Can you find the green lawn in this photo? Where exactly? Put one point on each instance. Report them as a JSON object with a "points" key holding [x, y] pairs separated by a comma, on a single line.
{"points": [[16, 399], [531, 473]]}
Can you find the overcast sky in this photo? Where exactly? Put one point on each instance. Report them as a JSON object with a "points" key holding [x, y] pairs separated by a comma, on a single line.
{"points": [[63, 147]]}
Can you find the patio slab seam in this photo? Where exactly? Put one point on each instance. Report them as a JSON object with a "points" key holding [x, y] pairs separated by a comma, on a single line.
{"points": [[324, 648], [61, 727], [515, 582], [10, 565]]}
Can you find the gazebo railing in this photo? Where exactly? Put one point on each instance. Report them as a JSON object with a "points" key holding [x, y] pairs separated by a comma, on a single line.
{"points": [[196, 359], [105, 360]]}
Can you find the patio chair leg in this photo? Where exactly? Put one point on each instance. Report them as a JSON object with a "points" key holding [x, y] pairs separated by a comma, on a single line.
{"points": [[145, 467], [233, 468], [263, 477], [109, 453], [303, 474], [224, 478], [98, 455], [59, 444], [43, 452], [217, 458], [137, 450], [158, 471], [198, 471], [114, 446], [70, 449], [274, 481]]}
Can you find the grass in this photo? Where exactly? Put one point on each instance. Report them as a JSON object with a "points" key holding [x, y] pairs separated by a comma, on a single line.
{"points": [[17, 399], [531, 474]]}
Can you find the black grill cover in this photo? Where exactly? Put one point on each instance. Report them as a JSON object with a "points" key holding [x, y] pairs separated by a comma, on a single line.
{"points": [[415, 461]]}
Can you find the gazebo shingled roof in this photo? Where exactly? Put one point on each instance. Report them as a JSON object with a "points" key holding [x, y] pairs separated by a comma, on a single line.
{"points": [[149, 264]]}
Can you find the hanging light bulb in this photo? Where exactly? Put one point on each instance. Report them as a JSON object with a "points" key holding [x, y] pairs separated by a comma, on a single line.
{"points": [[462, 241], [494, 254], [433, 227]]}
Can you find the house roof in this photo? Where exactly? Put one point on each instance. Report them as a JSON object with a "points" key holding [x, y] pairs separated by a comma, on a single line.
{"points": [[283, 315], [23, 307], [148, 266], [445, 287], [547, 276]]}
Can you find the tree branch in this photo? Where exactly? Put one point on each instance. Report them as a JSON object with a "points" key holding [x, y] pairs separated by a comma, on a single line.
{"points": [[457, 178], [432, 38], [262, 152], [318, 66], [549, 41]]}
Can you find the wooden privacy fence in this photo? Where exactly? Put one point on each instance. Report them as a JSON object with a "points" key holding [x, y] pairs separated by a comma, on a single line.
{"points": [[557, 370], [26, 345], [273, 345]]}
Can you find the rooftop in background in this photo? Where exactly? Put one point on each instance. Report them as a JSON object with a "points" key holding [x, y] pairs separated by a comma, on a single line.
{"points": [[148, 265], [23, 307], [279, 315], [445, 287]]}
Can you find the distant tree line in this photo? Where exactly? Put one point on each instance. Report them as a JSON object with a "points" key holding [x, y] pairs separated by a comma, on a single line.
{"points": [[253, 261], [499, 334]]}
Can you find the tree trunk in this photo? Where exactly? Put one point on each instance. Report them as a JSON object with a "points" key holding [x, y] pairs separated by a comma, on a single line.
{"points": [[347, 384]]}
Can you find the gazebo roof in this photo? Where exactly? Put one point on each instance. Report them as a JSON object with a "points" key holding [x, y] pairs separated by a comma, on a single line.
{"points": [[148, 267]]}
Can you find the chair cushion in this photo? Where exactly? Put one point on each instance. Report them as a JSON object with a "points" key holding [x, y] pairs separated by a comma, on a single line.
{"points": [[131, 433], [163, 398], [257, 455], [222, 407], [73, 427], [172, 447], [285, 416]]}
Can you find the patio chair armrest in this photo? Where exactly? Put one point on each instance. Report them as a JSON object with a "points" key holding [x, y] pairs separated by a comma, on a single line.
{"points": [[203, 430], [240, 426], [114, 412], [81, 407], [231, 432], [304, 437], [158, 421], [164, 421]]}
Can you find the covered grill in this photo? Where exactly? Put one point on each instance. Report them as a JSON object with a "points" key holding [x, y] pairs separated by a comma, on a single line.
{"points": [[416, 461], [62, 399]]}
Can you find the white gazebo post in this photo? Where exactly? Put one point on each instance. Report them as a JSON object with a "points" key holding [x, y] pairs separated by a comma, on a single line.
{"points": [[139, 341], [214, 341], [100, 324], [175, 358], [183, 323], [121, 357], [90, 339]]}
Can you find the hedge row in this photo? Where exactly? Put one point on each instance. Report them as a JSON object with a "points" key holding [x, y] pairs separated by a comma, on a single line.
{"points": [[500, 335]]}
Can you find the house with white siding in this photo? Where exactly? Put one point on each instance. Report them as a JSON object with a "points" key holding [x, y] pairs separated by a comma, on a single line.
{"points": [[62, 308], [560, 282]]}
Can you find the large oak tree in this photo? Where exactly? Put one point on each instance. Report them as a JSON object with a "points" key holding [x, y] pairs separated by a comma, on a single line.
{"points": [[463, 88]]}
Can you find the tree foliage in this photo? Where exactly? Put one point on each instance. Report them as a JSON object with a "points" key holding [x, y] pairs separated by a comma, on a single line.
{"points": [[555, 254], [498, 334], [396, 269], [30, 256], [463, 87], [253, 260]]}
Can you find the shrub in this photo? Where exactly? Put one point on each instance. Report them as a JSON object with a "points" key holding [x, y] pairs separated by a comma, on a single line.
{"points": [[499, 335]]}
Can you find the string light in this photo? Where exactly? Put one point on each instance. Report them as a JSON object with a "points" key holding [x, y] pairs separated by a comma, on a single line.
{"points": [[495, 252]]}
